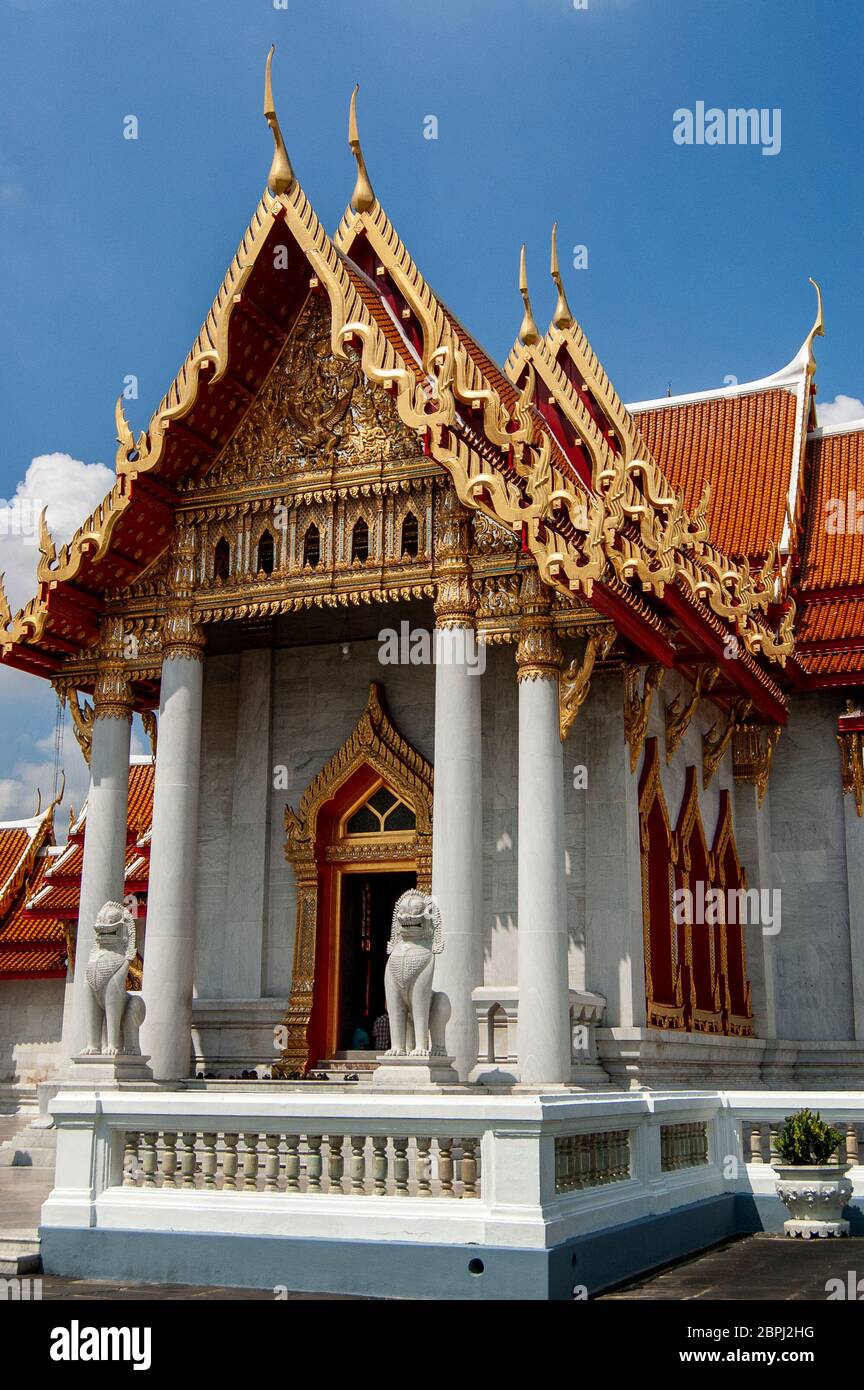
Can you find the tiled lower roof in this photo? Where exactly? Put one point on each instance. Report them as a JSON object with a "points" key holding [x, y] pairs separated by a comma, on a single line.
{"points": [[744, 447]]}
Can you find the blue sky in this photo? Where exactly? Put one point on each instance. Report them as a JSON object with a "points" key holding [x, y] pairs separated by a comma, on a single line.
{"points": [[698, 256]]}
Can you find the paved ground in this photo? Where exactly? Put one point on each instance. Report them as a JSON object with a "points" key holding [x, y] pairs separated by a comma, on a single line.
{"points": [[10, 1124], [22, 1192], [756, 1268], [91, 1290]]}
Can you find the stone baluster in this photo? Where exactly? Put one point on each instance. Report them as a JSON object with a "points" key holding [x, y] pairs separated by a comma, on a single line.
{"points": [[424, 1167], [250, 1162], [773, 1135], [400, 1166], [187, 1158], [358, 1165], [313, 1163], [169, 1159], [149, 1159], [469, 1167], [130, 1159], [292, 1162], [379, 1165], [445, 1167], [335, 1163], [852, 1143], [209, 1160], [755, 1144], [271, 1163], [229, 1163]]}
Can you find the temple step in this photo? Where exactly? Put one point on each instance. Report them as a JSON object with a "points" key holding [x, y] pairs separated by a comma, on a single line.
{"points": [[34, 1146], [19, 1253]]}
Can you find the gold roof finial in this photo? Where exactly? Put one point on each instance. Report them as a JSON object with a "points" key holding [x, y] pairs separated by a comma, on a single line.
{"points": [[60, 795], [47, 548], [5, 610], [562, 317], [363, 197], [818, 329], [529, 332], [281, 176]]}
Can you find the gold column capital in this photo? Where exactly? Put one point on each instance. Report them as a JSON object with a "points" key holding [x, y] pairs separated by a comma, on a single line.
{"points": [[182, 635], [455, 599], [112, 693], [538, 651]]}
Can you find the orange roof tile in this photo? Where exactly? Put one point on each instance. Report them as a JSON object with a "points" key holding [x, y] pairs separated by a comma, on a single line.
{"points": [[139, 816], [45, 885], [14, 843], [830, 627], [31, 946], [831, 620], [834, 549], [744, 447]]}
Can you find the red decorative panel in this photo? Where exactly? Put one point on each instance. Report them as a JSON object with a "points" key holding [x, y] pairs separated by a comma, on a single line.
{"points": [[695, 964]]}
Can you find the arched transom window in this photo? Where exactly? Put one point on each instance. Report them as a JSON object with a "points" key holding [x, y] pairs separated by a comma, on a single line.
{"points": [[383, 812]]}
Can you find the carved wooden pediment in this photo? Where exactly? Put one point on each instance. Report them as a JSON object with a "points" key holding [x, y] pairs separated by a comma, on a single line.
{"points": [[315, 412]]}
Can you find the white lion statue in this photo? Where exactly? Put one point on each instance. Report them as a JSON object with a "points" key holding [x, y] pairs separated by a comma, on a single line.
{"points": [[418, 1014], [113, 1016]]}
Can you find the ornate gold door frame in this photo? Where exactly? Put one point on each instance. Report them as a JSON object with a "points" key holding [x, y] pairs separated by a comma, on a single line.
{"points": [[376, 745]]}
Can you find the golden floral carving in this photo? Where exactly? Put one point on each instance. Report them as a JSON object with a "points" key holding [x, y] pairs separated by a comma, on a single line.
{"points": [[678, 716], [637, 705], [715, 743], [851, 745], [753, 748], [575, 680]]}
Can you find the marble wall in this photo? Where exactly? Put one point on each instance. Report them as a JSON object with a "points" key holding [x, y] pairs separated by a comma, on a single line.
{"points": [[31, 1012], [814, 964]]}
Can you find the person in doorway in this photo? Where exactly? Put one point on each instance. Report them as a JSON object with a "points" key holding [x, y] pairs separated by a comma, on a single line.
{"points": [[360, 1040], [381, 1032]]}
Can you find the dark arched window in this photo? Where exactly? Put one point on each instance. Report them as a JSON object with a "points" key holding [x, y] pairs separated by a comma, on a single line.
{"points": [[360, 541], [266, 553], [222, 559], [311, 546], [410, 535]]}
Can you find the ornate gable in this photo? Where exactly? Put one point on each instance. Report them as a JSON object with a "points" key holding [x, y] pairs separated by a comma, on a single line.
{"points": [[316, 413]]}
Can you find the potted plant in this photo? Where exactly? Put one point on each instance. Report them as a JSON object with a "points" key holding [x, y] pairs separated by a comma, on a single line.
{"points": [[814, 1188]]}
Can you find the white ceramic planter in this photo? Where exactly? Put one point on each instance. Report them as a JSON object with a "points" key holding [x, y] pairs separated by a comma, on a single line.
{"points": [[815, 1198]]}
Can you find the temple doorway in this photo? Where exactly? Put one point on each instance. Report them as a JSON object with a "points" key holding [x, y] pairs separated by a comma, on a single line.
{"points": [[361, 835], [367, 901]]}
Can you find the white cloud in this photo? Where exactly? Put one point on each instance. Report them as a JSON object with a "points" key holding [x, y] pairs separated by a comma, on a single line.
{"points": [[839, 411], [70, 490], [18, 790]]}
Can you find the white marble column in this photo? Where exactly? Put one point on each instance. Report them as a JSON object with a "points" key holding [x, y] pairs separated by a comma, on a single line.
{"points": [[457, 842], [543, 1045], [169, 955], [104, 836], [457, 817]]}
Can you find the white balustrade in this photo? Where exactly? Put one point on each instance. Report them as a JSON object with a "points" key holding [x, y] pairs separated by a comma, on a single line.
{"points": [[234, 1161], [463, 1167]]}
